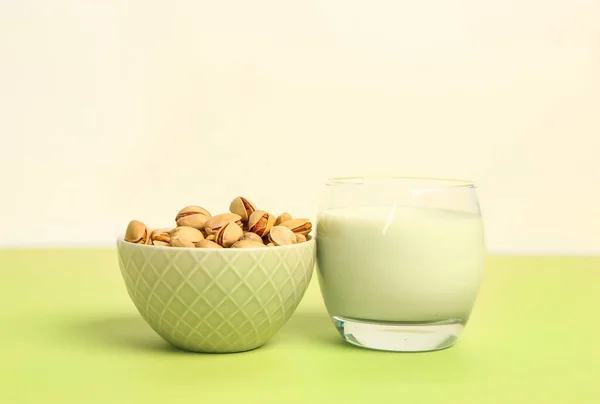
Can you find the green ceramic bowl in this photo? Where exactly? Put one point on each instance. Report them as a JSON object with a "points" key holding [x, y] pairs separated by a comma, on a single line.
{"points": [[216, 300]]}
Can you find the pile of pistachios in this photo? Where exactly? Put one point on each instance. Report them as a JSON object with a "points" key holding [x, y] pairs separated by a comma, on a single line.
{"points": [[244, 227]]}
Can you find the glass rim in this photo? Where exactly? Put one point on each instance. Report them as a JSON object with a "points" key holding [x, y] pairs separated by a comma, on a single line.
{"points": [[421, 183]]}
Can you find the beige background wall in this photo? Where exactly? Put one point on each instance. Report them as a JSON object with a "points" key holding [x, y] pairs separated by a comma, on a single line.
{"points": [[112, 110]]}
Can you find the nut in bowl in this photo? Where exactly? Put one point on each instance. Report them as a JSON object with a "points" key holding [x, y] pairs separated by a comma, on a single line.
{"points": [[231, 293]]}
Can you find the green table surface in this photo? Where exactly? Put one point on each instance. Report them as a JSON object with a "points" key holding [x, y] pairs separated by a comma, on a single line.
{"points": [[70, 334]]}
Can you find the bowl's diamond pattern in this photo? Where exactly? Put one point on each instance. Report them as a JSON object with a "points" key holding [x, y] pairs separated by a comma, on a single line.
{"points": [[216, 300]]}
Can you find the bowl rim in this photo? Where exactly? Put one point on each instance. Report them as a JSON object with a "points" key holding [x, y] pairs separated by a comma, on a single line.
{"points": [[309, 240]]}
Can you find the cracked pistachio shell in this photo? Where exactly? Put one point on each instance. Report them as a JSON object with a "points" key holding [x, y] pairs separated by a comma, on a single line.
{"points": [[270, 245], [243, 207], [282, 218], [248, 244], [229, 234], [179, 241], [137, 233], [280, 235], [252, 236], [161, 237], [193, 216], [189, 233], [300, 238], [302, 226], [211, 237], [207, 244], [216, 222], [260, 222]]}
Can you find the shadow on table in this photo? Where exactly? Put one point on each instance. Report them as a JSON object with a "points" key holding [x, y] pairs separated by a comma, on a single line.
{"points": [[310, 327], [122, 332], [130, 331]]}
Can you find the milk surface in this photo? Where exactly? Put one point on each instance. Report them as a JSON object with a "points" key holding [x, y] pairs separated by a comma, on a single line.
{"points": [[399, 263]]}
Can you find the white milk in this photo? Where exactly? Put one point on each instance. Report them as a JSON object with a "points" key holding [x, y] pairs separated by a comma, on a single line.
{"points": [[400, 264]]}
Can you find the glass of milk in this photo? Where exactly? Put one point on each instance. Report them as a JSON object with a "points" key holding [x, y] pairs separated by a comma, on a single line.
{"points": [[400, 260]]}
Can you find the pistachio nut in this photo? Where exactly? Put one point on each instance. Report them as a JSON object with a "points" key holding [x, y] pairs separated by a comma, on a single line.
{"points": [[243, 207], [280, 235], [211, 237], [260, 222], [137, 233], [252, 236], [229, 234], [179, 241], [270, 245], [248, 244], [300, 238], [282, 218], [216, 222], [161, 237], [193, 216], [189, 233], [207, 244], [302, 226]]}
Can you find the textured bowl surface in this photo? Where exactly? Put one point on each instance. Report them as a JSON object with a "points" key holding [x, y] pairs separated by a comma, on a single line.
{"points": [[216, 300]]}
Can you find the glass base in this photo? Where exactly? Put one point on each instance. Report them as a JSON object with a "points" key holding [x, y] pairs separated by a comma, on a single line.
{"points": [[399, 336]]}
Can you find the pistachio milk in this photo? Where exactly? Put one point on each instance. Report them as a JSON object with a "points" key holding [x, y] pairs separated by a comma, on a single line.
{"points": [[400, 264]]}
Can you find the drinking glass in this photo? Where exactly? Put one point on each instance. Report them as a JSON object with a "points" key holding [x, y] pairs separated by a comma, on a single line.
{"points": [[400, 260]]}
